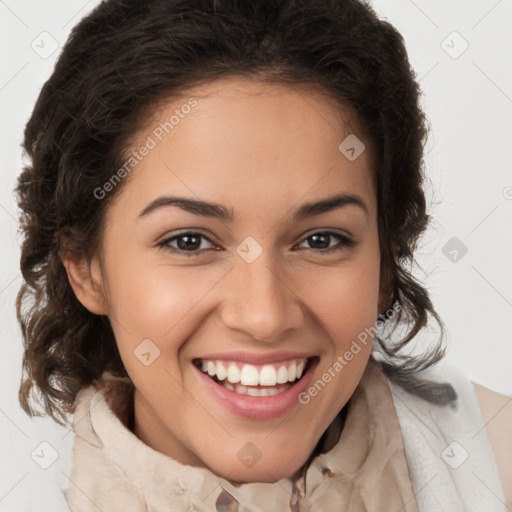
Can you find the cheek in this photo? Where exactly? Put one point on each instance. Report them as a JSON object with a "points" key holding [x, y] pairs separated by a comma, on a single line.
{"points": [[151, 303], [345, 299], [152, 300], [157, 301]]}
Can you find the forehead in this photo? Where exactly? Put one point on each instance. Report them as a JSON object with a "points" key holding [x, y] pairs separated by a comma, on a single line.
{"points": [[244, 141]]}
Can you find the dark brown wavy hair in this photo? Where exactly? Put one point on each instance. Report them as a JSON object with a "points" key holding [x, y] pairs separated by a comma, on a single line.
{"points": [[124, 58]]}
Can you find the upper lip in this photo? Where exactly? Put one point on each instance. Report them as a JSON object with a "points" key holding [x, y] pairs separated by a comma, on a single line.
{"points": [[255, 358]]}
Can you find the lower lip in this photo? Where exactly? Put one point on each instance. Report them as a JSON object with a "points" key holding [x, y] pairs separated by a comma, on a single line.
{"points": [[258, 407]]}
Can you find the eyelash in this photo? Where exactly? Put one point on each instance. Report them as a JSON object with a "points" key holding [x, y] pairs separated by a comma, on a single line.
{"points": [[345, 243]]}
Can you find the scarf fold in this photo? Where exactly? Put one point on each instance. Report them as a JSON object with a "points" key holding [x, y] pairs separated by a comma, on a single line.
{"points": [[363, 467]]}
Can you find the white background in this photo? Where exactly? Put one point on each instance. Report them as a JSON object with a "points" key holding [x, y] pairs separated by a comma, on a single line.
{"points": [[468, 101]]}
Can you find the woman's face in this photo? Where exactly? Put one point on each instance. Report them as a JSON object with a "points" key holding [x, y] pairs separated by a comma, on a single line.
{"points": [[254, 287]]}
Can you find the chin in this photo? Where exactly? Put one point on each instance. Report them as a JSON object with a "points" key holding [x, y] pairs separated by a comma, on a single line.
{"points": [[263, 471]]}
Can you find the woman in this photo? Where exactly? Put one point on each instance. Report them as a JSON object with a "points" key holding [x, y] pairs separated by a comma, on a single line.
{"points": [[223, 199]]}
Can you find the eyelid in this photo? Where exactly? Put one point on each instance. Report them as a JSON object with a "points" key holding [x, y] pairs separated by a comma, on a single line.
{"points": [[331, 231], [188, 231], [346, 241]]}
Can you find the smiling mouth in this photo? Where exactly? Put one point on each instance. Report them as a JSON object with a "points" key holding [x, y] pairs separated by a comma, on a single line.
{"points": [[255, 380]]}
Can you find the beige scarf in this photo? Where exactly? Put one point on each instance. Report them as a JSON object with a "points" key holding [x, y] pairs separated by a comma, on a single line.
{"points": [[363, 469]]}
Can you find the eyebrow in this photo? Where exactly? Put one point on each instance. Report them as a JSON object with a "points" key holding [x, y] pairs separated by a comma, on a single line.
{"points": [[218, 211]]}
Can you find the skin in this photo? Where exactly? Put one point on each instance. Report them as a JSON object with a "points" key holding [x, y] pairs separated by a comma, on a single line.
{"points": [[497, 414], [261, 150]]}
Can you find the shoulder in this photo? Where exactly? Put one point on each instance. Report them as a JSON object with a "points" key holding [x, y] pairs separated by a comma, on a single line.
{"points": [[497, 412]]}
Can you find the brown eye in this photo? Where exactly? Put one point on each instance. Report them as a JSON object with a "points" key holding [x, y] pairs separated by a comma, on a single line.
{"points": [[321, 241], [189, 242]]}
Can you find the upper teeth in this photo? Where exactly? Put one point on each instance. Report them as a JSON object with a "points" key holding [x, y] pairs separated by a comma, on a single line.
{"points": [[250, 375]]}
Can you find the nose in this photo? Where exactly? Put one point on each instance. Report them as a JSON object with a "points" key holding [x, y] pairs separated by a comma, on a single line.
{"points": [[261, 301]]}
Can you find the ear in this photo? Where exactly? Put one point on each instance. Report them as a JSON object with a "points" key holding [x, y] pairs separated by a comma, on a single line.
{"points": [[86, 281]]}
